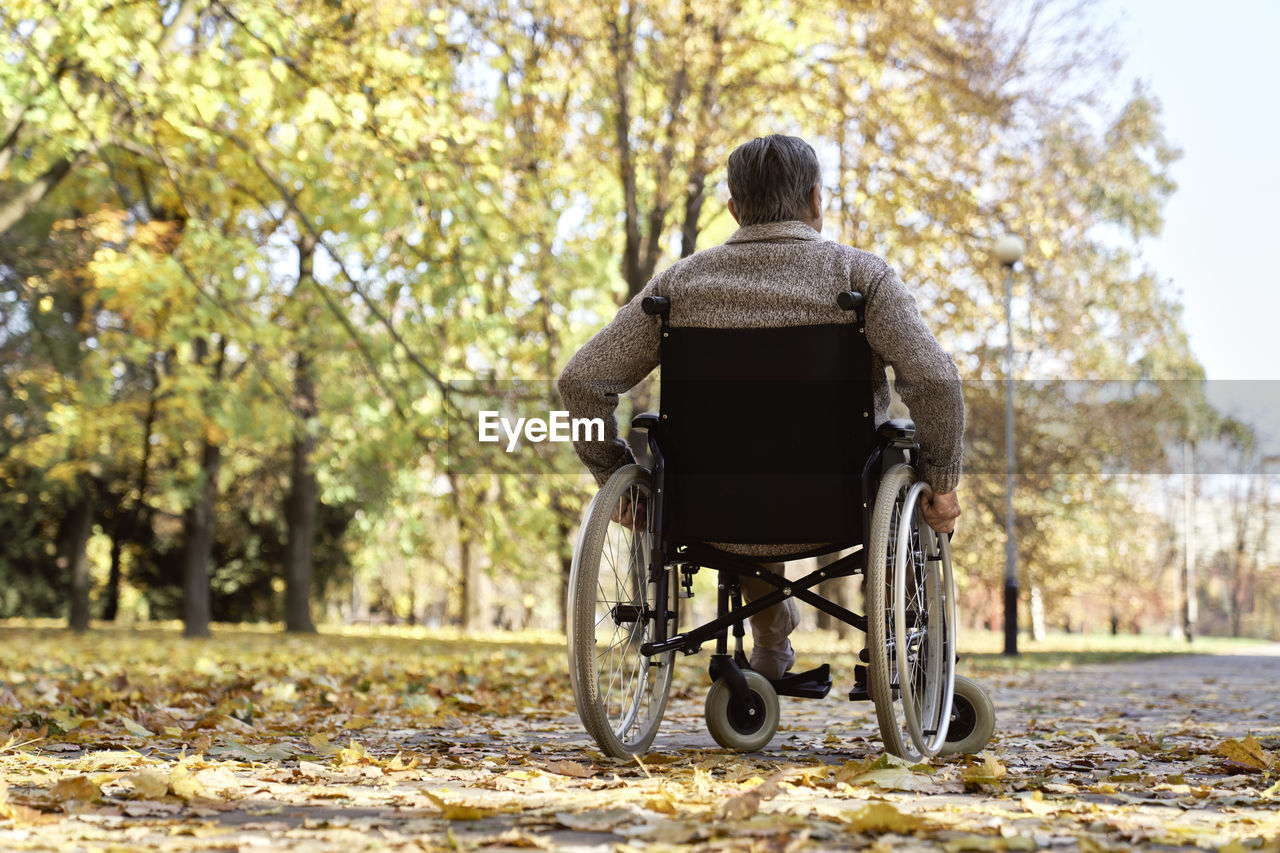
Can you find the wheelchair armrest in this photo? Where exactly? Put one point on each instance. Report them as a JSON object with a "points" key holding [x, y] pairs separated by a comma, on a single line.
{"points": [[898, 431], [648, 420]]}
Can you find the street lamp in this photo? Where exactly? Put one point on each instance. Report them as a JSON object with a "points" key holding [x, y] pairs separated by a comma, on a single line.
{"points": [[1008, 250]]}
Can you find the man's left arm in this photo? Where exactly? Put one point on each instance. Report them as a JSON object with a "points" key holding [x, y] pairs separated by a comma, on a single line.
{"points": [[925, 376], [617, 358]]}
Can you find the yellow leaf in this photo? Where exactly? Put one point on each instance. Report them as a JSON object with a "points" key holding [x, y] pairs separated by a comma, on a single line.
{"points": [[746, 804], [183, 784], [75, 788], [989, 772], [883, 817], [357, 723], [320, 743], [353, 754], [571, 768], [1247, 752], [1037, 805], [133, 728], [397, 763], [148, 785], [662, 803], [456, 811]]}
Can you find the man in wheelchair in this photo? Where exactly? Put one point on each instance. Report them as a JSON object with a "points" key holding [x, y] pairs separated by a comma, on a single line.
{"points": [[772, 443]]}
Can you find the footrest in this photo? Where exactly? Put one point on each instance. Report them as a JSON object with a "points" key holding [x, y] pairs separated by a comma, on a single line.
{"points": [[859, 692], [814, 684]]}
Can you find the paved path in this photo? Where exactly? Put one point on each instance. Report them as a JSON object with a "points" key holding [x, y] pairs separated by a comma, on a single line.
{"points": [[1111, 757], [1214, 696]]}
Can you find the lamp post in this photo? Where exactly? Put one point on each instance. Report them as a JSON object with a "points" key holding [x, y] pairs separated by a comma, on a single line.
{"points": [[1008, 250]]}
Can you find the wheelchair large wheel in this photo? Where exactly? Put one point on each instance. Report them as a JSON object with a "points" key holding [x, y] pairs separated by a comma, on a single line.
{"points": [[621, 694], [910, 621]]}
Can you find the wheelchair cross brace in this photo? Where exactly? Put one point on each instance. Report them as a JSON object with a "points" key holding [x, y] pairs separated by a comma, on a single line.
{"points": [[734, 566]]}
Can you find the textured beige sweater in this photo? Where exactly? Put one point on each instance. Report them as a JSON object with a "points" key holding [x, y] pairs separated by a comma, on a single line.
{"points": [[769, 275]]}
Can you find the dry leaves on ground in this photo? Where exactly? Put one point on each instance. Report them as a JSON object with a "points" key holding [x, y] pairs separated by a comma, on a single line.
{"points": [[350, 743]]}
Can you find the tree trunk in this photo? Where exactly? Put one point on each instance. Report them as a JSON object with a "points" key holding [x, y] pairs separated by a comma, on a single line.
{"points": [[468, 592], [300, 510], [111, 597], [198, 523], [73, 537], [300, 506]]}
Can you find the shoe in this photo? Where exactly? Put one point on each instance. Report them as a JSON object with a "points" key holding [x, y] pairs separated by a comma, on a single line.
{"points": [[772, 663]]}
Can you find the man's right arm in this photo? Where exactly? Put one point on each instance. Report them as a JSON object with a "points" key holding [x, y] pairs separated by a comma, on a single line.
{"points": [[617, 358]]}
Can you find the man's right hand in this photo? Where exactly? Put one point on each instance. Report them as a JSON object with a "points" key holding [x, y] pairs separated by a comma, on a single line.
{"points": [[941, 511], [629, 514]]}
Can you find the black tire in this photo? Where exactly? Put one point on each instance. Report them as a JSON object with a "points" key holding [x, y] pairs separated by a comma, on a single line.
{"points": [[743, 729], [621, 694]]}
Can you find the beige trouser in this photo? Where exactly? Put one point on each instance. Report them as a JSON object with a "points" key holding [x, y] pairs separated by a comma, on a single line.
{"points": [[770, 628]]}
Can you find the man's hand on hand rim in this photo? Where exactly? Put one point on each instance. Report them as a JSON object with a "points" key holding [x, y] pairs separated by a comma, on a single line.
{"points": [[941, 511], [630, 514]]}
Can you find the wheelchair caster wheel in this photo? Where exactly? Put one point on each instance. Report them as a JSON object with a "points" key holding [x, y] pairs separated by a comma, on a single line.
{"points": [[738, 728], [973, 719]]}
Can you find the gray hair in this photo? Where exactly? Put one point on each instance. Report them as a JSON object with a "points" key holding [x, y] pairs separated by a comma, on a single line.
{"points": [[770, 178]]}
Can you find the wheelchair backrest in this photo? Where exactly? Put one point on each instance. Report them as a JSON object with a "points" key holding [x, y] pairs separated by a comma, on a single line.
{"points": [[765, 433]]}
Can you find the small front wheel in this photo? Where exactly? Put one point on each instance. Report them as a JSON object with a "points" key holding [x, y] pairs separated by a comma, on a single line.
{"points": [[743, 729], [973, 719]]}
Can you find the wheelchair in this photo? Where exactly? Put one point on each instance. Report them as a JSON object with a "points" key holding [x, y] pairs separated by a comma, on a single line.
{"points": [[766, 436]]}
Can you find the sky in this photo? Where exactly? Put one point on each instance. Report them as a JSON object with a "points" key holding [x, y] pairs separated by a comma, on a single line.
{"points": [[1215, 68]]}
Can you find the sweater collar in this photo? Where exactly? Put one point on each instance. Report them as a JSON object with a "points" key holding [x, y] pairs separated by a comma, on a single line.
{"points": [[772, 232]]}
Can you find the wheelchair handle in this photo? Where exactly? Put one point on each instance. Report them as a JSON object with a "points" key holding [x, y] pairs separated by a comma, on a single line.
{"points": [[655, 305], [850, 300]]}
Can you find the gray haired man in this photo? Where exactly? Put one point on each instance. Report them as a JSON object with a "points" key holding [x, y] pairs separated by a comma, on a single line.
{"points": [[777, 270]]}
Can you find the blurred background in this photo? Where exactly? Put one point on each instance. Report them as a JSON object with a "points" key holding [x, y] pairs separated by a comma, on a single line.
{"points": [[259, 263]]}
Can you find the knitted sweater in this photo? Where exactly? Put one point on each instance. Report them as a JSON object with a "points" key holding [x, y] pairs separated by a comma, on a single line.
{"points": [[769, 275]]}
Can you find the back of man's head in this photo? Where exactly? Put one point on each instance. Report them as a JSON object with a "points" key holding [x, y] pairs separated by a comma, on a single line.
{"points": [[770, 179]]}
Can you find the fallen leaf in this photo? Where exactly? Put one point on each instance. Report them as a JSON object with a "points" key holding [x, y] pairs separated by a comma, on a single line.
{"points": [[75, 788], [570, 768], [1247, 752], [397, 763], [885, 771], [746, 804], [148, 785], [320, 743], [457, 811], [353, 754], [183, 784], [515, 838], [134, 728], [663, 803], [882, 817], [989, 772]]}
